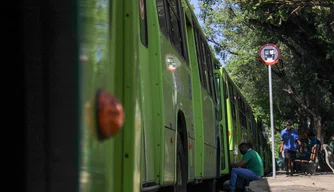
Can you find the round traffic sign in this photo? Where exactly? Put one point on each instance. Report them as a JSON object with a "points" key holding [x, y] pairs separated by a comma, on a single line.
{"points": [[269, 54]]}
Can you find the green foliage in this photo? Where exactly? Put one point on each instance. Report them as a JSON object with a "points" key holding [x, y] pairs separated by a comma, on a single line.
{"points": [[303, 30]]}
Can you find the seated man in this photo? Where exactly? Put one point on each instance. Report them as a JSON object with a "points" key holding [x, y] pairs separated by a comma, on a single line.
{"points": [[253, 164], [304, 154]]}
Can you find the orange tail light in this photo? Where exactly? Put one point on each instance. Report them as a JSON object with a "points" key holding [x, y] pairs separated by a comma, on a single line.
{"points": [[109, 114]]}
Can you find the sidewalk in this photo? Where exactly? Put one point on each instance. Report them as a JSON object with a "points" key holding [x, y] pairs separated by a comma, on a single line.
{"points": [[321, 181]]}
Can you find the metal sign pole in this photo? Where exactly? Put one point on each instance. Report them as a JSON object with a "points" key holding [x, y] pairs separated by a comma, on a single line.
{"points": [[269, 55], [272, 123]]}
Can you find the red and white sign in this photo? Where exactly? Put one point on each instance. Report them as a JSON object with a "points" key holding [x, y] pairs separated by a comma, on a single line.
{"points": [[269, 54]]}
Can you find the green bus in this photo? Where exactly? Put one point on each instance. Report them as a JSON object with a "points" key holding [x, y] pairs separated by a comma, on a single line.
{"points": [[124, 96], [241, 124], [238, 117], [180, 118]]}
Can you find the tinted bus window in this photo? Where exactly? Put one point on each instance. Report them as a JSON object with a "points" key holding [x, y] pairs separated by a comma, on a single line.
{"points": [[162, 16], [218, 96], [143, 22], [174, 28], [200, 56], [172, 25]]}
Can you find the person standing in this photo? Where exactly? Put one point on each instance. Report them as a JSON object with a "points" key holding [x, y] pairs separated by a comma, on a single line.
{"points": [[250, 167], [289, 140]]}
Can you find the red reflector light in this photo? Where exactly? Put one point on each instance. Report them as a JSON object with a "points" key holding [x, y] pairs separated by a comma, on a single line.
{"points": [[228, 133], [109, 114]]}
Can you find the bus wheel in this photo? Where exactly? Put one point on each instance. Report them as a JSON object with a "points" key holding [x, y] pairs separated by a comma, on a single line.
{"points": [[181, 175]]}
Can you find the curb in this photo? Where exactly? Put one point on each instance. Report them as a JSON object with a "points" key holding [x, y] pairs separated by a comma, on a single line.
{"points": [[257, 186]]}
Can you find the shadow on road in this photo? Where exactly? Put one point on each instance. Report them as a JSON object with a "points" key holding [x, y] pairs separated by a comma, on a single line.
{"points": [[320, 181]]}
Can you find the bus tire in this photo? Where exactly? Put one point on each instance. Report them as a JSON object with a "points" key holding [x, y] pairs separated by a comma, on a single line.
{"points": [[181, 174]]}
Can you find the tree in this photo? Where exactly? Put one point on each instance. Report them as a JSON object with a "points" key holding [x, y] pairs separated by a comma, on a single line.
{"points": [[302, 79]]}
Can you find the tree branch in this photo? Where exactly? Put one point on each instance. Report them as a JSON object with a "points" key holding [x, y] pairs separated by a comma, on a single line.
{"points": [[290, 3], [222, 47], [235, 15], [299, 102]]}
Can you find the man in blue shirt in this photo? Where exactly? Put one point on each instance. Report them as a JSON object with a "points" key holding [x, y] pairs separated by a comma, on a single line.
{"points": [[289, 138]]}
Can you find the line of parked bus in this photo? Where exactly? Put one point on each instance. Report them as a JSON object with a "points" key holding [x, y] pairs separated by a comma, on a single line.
{"points": [[127, 96]]}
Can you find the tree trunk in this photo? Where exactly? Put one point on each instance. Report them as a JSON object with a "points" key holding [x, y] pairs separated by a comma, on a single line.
{"points": [[318, 128]]}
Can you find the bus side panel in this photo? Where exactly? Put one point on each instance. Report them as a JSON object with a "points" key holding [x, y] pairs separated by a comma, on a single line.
{"points": [[209, 135], [150, 99], [231, 130], [223, 129], [153, 99], [131, 90], [176, 96], [99, 70], [196, 133], [106, 37]]}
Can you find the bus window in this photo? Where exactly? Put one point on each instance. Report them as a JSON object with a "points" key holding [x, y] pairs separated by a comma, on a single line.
{"points": [[172, 25], [218, 96], [232, 99], [200, 56], [143, 23], [162, 16]]}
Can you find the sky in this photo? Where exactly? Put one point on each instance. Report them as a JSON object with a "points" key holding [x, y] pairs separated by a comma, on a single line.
{"points": [[194, 2]]}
